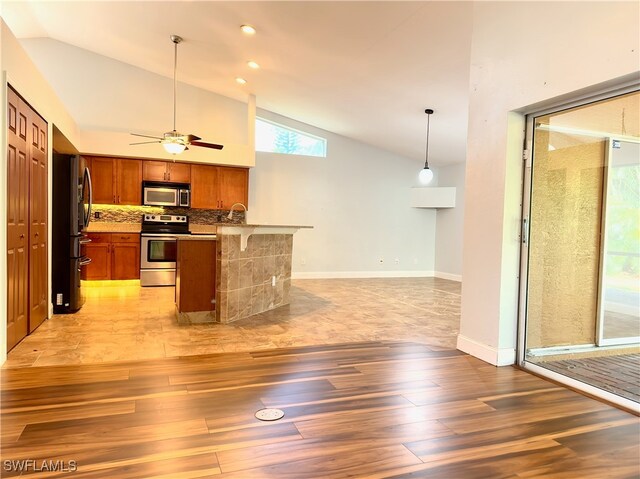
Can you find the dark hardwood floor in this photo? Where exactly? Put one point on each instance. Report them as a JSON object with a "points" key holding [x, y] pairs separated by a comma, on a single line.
{"points": [[374, 410]]}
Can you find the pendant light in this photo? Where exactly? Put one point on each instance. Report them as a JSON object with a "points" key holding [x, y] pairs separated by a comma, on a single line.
{"points": [[426, 175], [170, 144]]}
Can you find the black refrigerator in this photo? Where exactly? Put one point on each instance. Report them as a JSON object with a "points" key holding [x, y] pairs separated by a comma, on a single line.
{"points": [[71, 215]]}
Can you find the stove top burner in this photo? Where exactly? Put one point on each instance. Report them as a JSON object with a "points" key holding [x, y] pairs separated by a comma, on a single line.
{"points": [[152, 223]]}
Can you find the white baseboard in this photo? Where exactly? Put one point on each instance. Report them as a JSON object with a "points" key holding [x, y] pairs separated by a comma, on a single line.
{"points": [[360, 274], [489, 354], [452, 277]]}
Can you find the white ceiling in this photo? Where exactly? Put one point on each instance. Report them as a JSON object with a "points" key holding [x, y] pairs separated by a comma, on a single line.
{"points": [[366, 70]]}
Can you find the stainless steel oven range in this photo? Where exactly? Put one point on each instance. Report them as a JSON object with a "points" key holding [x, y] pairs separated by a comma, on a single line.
{"points": [[158, 248]]}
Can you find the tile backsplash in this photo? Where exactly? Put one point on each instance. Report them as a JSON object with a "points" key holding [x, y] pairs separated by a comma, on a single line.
{"points": [[133, 214]]}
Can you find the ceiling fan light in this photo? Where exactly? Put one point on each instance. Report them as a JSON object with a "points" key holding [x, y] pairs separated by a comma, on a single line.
{"points": [[248, 29], [174, 148]]}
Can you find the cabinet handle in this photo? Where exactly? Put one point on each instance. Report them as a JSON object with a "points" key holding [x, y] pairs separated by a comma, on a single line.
{"points": [[114, 199], [21, 236]]}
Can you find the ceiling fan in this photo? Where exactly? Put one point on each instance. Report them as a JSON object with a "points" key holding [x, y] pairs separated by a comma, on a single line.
{"points": [[173, 141]]}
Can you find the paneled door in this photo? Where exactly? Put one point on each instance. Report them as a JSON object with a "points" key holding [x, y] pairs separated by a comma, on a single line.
{"points": [[27, 248], [17, 220], [38, 222]]}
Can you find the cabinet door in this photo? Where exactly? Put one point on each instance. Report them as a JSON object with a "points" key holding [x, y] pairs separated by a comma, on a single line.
{"points": [[129, 182], [154, 170], [102, 179], [100, 266], [125, 260], [204, 192], [233, 187], [179, 172]]}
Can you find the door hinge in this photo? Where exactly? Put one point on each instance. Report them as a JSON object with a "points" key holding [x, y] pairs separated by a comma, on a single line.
{"points": [[525, 155]]}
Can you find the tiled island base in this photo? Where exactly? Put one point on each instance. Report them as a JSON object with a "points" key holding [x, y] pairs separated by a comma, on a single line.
{"points": [[255, 280]]}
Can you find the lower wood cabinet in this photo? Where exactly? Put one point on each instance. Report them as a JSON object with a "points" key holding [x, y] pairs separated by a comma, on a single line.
{"points": [[113, 256]]}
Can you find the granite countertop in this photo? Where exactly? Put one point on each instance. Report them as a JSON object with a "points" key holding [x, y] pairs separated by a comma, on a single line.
{"points": [[195, 229], [238, 225], [198, 237], [202, 229], [113, 228]]}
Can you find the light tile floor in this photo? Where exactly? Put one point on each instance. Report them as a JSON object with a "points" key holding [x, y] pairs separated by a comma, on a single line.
{"points": [[121, 321]]}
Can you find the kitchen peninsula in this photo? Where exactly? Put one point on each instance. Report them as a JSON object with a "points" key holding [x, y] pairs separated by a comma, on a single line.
{"points": [[251, 272]]}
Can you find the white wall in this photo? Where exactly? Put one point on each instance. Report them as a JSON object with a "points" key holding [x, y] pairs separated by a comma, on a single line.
{"points": [[553, 48], [109, 99], [17, 69], [357, 200], [449, 225]]}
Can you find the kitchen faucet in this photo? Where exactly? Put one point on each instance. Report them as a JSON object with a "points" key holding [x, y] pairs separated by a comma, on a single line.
{"points": [[230, 215]]}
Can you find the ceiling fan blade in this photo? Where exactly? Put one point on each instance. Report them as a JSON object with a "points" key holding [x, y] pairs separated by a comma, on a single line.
{"points": [[207, 145], [145, 142], [147, 136], [191, 138]]}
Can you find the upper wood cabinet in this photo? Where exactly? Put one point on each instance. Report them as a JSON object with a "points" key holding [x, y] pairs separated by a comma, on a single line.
{"points": [[115, 181], [128, 182], [233, 187], [219, 187], [167, 171], [102, 179]]}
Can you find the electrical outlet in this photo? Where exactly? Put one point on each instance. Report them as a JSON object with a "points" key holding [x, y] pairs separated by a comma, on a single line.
{"points": [[96, 215], [397, 260], [273, 281], [415, 260]]}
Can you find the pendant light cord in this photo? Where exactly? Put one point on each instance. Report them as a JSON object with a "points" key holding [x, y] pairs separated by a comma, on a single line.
{"points": [[426, 158], [175, 80]]}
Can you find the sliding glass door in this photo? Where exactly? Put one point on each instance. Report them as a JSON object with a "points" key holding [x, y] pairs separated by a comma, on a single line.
{"points": [[619, 300], [580, 290]]}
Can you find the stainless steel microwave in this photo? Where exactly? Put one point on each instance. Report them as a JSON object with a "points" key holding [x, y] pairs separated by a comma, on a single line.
{"points": [[166, 194]]}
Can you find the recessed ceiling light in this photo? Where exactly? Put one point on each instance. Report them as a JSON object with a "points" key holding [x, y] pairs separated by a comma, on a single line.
{"points": [[252, 64], [242, 81], [248, 29]]}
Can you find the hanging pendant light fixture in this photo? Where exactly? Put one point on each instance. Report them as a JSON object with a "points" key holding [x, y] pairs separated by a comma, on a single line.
{"points": [[426, 175]]}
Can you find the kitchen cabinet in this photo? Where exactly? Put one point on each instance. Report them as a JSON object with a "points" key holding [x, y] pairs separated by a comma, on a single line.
{"points": [[166, 171], [113, 256], [195, 275], [99, 251], [116, 181], [219, 187]]}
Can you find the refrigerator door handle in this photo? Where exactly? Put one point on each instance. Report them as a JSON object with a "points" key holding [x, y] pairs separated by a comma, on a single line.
{"points": [[84, 261], [87, 178]]}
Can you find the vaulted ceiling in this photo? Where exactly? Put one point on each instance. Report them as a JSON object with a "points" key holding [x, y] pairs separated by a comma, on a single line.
{"points": [[366, 70]]}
